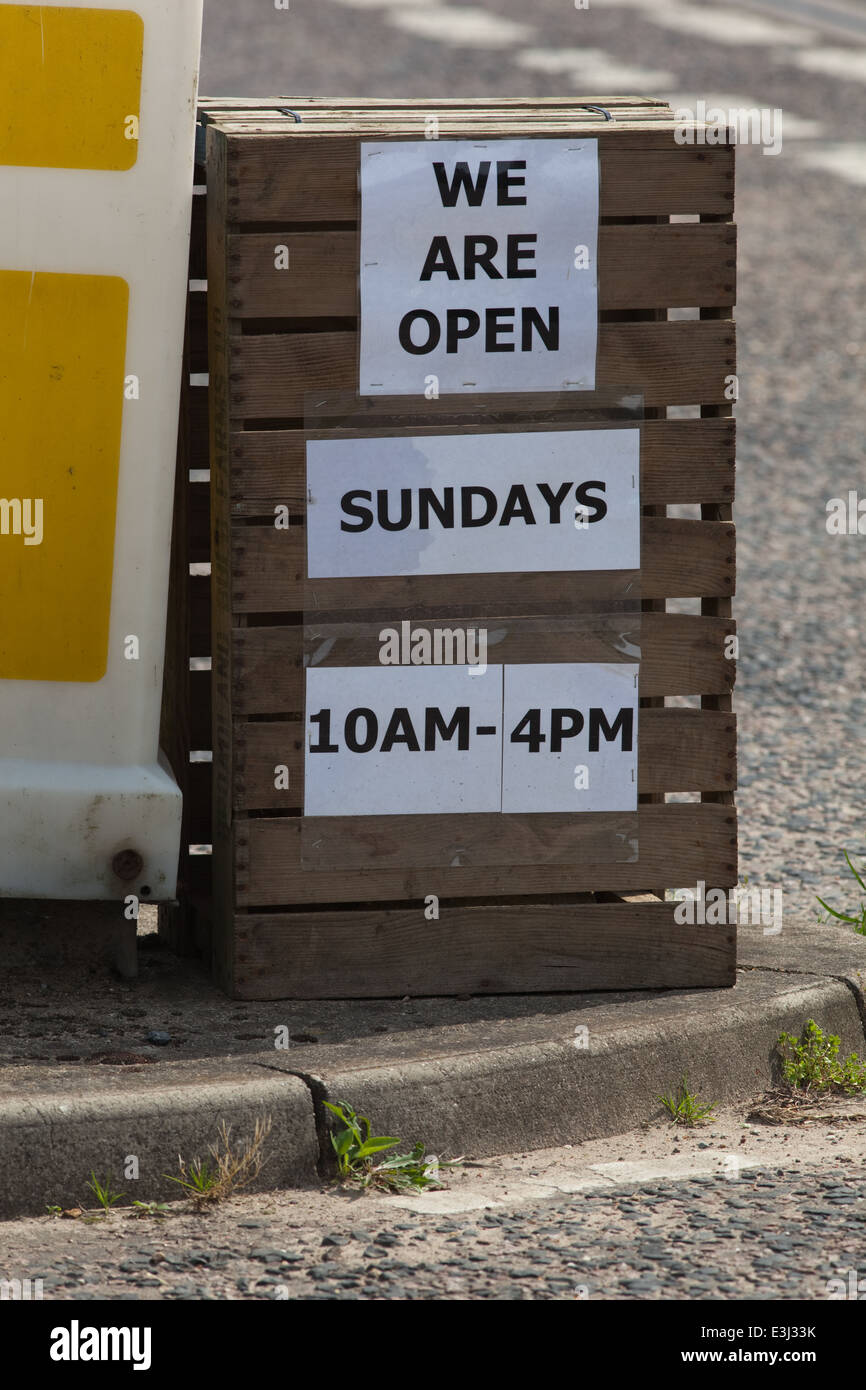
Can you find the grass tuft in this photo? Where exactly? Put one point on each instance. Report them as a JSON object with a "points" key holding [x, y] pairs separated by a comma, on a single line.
{"points": [[684, 1107], [857, 919], [230, 1168]]}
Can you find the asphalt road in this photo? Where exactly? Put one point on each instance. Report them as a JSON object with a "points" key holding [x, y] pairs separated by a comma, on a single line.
{"points": [[756, 1204]]}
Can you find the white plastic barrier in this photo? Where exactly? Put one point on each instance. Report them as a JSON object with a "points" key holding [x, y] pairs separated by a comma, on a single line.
{"points": [[97, 123]]}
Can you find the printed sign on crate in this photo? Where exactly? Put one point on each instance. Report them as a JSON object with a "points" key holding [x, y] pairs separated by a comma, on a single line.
{"points": [[478, 265], [472, 504], [432, 739]]}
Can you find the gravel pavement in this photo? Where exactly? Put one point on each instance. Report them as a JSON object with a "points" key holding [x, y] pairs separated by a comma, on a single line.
{"points": [[737, 1209]]}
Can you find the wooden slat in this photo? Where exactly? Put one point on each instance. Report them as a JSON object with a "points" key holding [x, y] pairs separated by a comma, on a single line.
{"points": [[682, 461], [197, 881], [198, 331], [684, 841], [174, 923], [680, 654], [679, 750], [670, 265], [491, 949], [199, 442], [198, 503], [199, 782], [675, 364], [199, 601], [570, 120], [644, 131], [679, 559], [198, 239], [279, 179], [219, 331], [521, 104], [200, 719]]}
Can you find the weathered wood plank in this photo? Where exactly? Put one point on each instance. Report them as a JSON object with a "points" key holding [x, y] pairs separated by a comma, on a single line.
{"points": [[682, 363], [679, 750], [685, 843], [664, 266], [174, 918], [496, 948], [525, 105], [200, 720], [682, 461], [219, 331], [680, 654], [679, 559], [200, 789], [277, 179], [200, 614], [642, 132]]}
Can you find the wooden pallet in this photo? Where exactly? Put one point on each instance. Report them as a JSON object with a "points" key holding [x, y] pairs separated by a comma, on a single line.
{"points": [[277, 930]]}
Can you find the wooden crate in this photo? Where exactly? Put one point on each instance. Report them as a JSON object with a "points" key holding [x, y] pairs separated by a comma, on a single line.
{"points": [[279, 930]]}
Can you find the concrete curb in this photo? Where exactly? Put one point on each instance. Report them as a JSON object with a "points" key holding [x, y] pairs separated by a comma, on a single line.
{"points": [[50, 1143], [478, 1088], [503, 1099]]}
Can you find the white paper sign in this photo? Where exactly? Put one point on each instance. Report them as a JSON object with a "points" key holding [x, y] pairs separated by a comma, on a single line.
{"points": [[474, 504], [435, 739], [402, 740], [570, 738], [478, 265]]}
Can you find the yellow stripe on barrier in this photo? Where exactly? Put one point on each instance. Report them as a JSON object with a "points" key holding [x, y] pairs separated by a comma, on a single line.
{"points": [[62, 357], [70, 87]]}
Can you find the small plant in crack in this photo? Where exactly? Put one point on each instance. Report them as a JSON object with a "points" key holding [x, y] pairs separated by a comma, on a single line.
{"points": [[356, 1150], [230, 1167], [684, 1107], [150, 1208], [812, 1062], [103, 1192]]}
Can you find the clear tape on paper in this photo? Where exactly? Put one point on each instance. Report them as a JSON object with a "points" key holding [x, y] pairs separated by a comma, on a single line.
{"points": [[416, 508], [483, 708], [489, 760]]}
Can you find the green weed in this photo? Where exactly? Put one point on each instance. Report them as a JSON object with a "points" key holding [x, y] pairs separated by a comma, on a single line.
{"points": [[151, 1208], [684, 1108], [812, 1062], [856, 920], [356, 1149], [103, 1193], [229, 1169]]}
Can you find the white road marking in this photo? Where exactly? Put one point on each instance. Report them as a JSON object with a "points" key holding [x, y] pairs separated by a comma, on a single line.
{"points": [[514, 1190], [685, 1166], [847, 63], [727, 26], [845, 161], [381, 4], [593, 68], [464, 28], [793, 127], [838, 19]]}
